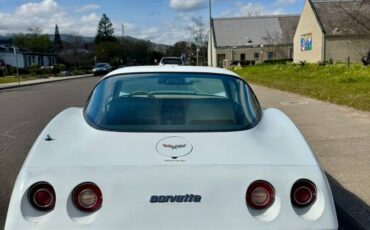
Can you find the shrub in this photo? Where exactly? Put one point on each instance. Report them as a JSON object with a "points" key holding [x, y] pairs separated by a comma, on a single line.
{"points": [[35, 70], [274, 62]]}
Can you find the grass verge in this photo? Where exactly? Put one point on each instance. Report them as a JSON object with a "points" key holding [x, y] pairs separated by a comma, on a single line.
{"points": [[337, 84], [4, 80]]}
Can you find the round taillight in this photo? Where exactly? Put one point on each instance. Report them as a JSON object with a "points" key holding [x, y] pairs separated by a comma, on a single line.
{"points": [[87, 197], [260, 195], [42, 196], [303, 193]]}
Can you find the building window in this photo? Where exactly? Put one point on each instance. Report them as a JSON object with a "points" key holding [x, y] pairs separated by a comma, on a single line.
{"points": [[220, 60], [270, 56], [256, 56], [242, 57]]}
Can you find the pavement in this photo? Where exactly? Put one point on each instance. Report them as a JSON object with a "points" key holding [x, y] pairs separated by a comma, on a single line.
{"points": [[340, 136], [40, 81]]}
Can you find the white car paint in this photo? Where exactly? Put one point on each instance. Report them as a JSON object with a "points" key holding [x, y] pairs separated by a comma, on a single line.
{"points": [[129, 169]]}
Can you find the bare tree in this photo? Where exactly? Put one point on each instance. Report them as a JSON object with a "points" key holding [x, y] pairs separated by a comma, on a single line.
{"points": [[358, 16], [354, 10], [74, 52], [198, 31], [274, 38], [253, 12]]}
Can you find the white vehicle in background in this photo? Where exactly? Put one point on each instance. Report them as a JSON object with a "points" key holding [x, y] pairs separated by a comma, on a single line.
{"points": [[171, 147], [171, 61]]}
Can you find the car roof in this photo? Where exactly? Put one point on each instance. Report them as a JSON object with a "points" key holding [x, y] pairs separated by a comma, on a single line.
{"points": [[171, 69], [171, 58]]}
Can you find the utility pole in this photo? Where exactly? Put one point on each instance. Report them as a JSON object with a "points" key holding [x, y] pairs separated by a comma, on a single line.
{"points": [[16, 65], [210, 43]]}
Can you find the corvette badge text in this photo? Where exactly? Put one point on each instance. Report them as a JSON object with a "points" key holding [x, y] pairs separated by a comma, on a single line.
{"points": [[176, 199], [174, 147]]}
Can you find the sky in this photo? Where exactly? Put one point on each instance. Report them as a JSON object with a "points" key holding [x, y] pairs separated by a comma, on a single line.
{"points": [[160, 21]]}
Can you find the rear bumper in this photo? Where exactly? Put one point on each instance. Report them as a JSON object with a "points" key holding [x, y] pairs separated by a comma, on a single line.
{"points": [[127, 191]]}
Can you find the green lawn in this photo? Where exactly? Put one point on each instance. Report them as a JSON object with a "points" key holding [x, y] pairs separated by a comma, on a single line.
{"points": [[4, 80], [334, 83]]}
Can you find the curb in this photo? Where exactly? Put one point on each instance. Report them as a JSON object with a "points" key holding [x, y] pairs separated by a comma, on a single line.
{"points": [[30, 83]]}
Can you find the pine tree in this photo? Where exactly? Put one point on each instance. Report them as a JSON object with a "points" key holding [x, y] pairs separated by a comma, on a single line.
{"points": [[58, 44], [105, 30]]}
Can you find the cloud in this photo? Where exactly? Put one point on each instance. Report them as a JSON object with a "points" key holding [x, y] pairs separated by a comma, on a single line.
{"points": [[46, 13], [38, 14], [251, 9], [285, 2], [88, 7], [167, 33], [187, 5]]}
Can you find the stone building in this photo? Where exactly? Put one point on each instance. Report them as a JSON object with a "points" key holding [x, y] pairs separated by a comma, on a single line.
{"points": [[250, 40], [333, 31]]}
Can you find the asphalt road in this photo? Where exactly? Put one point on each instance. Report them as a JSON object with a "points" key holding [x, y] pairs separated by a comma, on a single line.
{"points": [[24, 112]]}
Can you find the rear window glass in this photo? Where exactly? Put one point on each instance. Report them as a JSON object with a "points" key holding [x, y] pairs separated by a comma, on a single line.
{"points": [[172, 102], [171, 61], [101, 65]]}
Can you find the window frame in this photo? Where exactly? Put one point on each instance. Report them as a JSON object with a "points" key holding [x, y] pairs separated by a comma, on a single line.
{"points": [[259, 112]]}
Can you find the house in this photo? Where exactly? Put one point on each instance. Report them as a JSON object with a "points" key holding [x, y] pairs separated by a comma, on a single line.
{"points": [[333, 30], [25, 58], [250, 40]]}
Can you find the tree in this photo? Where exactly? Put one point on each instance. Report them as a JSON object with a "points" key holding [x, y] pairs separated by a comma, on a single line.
{"points": [[105, 31], [34, 41], [199, 34], [75, 53], [274, 38], [58, 44], [108, 51], [357, 12]]}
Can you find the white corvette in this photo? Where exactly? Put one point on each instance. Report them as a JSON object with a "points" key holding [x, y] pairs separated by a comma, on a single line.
{"points": [[171, 147]]}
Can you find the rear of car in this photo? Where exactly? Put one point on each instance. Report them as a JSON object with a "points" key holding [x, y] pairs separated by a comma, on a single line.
{"points": [[171, 150], [101, 69], [171, 61]]}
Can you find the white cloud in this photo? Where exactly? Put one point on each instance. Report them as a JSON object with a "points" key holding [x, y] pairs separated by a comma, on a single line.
{"points": [[168, 33], [88, 7], [254, 9], [285, 2], [187, 5], [41, 14], [46, 13]]}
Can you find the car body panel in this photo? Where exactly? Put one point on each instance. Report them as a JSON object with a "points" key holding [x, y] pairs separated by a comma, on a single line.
{"points": [[171, 69], [75, 141]]}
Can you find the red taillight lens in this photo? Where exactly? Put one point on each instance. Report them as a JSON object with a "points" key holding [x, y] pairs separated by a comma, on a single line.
{"points": [[42, 196], [260, 195], [303, 193], [87, 197]]}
